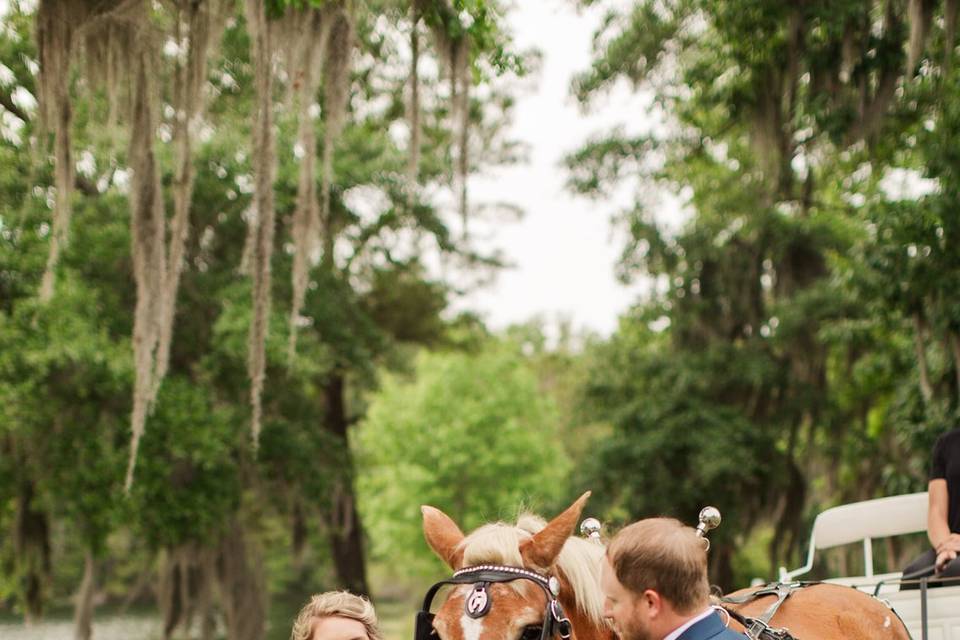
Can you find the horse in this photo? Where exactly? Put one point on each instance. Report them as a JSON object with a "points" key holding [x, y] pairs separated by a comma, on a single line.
{"points": [[506, 576]]}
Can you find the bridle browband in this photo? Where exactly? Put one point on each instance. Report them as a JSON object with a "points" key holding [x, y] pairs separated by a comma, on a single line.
{"points": [[479, 602]]}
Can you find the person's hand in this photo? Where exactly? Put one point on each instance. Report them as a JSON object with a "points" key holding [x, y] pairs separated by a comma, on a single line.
{"points": [[951, 543], [944, 558]]}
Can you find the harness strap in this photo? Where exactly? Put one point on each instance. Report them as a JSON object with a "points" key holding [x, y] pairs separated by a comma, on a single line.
{"points": [[770, 589], [759, 628], [782, 591]]}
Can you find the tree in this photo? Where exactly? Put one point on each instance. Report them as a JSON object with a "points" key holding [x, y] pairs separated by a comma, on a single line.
{"points": [[469, 433], [770, 112]]}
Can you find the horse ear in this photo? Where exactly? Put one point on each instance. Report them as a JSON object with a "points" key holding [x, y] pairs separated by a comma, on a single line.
{"points": [[544, 547], [443, 535]]}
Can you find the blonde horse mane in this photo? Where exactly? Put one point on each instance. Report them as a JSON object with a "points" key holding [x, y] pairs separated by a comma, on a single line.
{"points": [[578, 562]]}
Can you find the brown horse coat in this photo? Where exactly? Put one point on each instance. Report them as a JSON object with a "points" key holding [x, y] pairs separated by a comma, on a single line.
{"points": [[827, 612]]}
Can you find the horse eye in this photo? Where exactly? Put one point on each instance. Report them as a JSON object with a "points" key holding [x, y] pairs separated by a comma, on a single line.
{"points": [[532, 632]]}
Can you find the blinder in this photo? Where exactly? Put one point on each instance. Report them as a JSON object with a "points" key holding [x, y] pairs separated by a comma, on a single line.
{"points": [[479, 601]]}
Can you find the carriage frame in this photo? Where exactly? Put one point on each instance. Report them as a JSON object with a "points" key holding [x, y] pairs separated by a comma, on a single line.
{"points": [[930, 614]]}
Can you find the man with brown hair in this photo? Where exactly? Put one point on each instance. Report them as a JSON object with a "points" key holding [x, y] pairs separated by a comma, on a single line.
{"points": [[654, 582], [336, 615]]}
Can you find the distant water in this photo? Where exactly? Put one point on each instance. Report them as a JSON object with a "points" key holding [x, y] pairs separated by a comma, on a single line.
{"points": [[125, 627]]}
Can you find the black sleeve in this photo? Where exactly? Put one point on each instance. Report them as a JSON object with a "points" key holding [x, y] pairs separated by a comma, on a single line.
{"points": [[938, 464]]}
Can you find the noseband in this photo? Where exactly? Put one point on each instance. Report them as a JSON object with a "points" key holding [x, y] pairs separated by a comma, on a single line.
{"points": [[479, 602]]}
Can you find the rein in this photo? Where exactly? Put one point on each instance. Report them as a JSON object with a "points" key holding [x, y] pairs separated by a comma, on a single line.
{"points": [[479, 602]]}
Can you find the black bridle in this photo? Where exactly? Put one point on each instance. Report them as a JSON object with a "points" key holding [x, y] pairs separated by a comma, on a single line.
{"points": [[479, 602]]}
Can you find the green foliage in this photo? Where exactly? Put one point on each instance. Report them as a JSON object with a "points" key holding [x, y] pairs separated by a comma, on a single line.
{"points": [[677, 441], [470, 434], [190, 481]]}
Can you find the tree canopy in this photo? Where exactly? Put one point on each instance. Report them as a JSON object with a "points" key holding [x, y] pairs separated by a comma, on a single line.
{"points": [[468, 433]]}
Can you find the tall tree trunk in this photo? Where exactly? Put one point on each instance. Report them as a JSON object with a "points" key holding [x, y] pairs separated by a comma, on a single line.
{"points": [[954, 340], [168, 592], [31, 546], [926, 388], [298, 536], [242, 584], [83, 611], [721, 568], [920, 13], [208, 572], [185, 589], [949, 33], [346, 529]]}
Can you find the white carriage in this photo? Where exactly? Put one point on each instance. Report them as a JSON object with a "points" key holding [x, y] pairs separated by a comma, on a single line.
{"points": [[866, 521]]}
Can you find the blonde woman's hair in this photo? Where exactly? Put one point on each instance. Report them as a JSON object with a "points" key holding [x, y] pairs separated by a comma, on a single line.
{"points": [[336, 603]]}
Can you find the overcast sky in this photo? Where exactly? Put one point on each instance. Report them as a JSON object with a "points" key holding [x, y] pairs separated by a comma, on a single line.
{"points": [[563, 249]]}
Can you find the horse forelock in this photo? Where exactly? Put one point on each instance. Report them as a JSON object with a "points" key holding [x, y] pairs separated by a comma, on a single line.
{"points": [[577, 566], [494, 543]]}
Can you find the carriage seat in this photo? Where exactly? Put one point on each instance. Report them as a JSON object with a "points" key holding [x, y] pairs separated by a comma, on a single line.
{"points": [[862, 522]]}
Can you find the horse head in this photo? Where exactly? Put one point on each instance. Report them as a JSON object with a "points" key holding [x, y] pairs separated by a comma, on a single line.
{"points": [[555, 593]]}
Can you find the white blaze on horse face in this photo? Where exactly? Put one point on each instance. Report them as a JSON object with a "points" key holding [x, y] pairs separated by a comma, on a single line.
{"points": [[472, 627]]}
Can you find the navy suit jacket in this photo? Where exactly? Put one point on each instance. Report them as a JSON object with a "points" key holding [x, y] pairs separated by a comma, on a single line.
{"points": [[711, 628]]}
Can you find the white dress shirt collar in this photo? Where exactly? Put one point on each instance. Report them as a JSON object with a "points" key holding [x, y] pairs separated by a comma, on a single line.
{"points": [[676, 633]]}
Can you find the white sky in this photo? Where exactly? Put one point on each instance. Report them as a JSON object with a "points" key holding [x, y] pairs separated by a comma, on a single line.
{"points": [[563, 250]]}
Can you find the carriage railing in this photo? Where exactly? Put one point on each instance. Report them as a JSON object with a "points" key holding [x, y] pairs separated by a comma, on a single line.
{"points": [[862, 522]]}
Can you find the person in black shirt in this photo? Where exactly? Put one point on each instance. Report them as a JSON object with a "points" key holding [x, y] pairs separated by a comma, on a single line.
{"points": [[943, 515]]}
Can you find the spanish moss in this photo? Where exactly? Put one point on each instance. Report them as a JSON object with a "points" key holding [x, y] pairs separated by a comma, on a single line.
{"points": [[306, 216], [460, 90], [149, 248], [455, 54], [413, 159], [56, 24], [262, 224], [201, 24], [336, 94]]}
